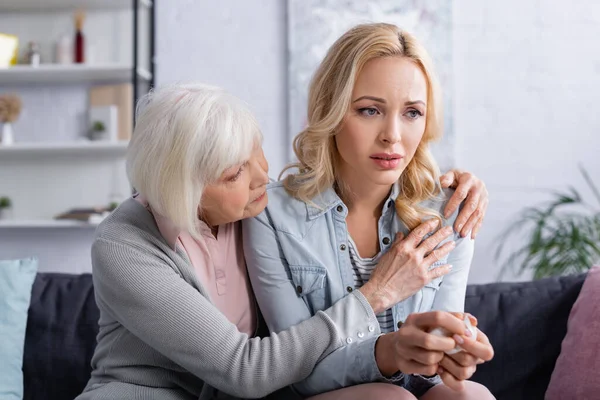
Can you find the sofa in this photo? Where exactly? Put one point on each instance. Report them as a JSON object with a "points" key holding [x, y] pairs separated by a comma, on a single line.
{"points": [[526, 322]]}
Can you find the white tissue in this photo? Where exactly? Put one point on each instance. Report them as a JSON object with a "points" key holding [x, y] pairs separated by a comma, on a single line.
{"points": [[444, 332]]}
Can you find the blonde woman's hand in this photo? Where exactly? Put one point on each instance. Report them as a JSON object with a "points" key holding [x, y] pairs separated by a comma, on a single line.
{"points": [[412, 349], [457, 368], [404, 269], [472, 190]]}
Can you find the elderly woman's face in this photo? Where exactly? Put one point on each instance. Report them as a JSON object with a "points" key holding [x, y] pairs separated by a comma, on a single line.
{"points": [[239, 193]]}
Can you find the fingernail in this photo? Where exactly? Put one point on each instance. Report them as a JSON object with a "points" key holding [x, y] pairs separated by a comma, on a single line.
{"points": [[440, 370], [458, 339], [447, 230], [460, 226], [468, 333]]}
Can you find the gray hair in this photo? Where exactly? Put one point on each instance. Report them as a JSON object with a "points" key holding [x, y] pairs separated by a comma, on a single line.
{"points": [[186, 135]]}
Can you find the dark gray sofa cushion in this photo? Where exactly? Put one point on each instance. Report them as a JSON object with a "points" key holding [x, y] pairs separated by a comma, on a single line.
{"points": [[526, 322], [60, 339]]}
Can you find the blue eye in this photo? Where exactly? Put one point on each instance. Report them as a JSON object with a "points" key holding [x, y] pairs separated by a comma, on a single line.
{"points": [[414, 114], [368, 111]]}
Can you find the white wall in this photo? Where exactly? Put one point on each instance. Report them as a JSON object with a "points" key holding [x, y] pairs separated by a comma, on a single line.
{"points": [[527, 78], [526, 84], [239, 45]]}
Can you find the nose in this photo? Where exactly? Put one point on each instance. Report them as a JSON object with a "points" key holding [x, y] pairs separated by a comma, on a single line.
{"points": [[260, 171], [391, 131]]}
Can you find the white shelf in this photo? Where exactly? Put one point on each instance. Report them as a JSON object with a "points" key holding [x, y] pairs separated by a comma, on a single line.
{"points": [[63, 149], [70, 73], [51, 5], [43, 223]]}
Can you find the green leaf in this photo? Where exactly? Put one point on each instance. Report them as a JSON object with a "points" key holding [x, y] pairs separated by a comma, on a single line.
{"points": [[558, 237]]}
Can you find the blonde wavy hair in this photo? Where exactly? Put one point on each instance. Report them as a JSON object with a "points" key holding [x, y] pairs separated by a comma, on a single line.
{"points": [[330, 98]]}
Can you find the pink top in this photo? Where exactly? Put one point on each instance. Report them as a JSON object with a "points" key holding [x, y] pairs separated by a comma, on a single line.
{"points": [[220, 265]]}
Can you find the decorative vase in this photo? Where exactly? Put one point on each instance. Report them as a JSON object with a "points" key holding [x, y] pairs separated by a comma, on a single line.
{"points": [[97, 135], [5, 213], [7, 134]]}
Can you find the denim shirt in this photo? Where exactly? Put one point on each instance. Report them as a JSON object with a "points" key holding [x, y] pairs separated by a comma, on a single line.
{"points": [[298, 261]]}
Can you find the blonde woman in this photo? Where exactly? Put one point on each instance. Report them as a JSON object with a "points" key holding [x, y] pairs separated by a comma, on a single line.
{"points": [[365, 180]]}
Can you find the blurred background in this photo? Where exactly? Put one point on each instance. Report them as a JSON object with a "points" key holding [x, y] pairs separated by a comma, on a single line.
{"points": [[520, 80]]}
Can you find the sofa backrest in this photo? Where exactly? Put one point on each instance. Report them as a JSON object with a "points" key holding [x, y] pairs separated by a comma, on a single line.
{"points": [[525, 322]]}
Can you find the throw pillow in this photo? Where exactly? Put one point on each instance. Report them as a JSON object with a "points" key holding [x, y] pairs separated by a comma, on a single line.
{"points": [[575, 375], [16, 280]]}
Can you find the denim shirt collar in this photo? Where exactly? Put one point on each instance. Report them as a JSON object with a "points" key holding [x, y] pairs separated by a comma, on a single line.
{"points": [[328, 199]]}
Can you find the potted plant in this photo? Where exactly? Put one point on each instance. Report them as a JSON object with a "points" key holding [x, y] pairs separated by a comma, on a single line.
{"points": [[112, 206], [98, 131], [559, 237], [5, 208]]}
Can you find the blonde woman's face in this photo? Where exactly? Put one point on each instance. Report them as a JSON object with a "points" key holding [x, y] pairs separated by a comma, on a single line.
{"points": [[239, 193], [385, 123]]}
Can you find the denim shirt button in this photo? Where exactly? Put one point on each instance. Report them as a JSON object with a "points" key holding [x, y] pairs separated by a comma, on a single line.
{"points": [[349, 340], [360, 335], [342, 247], [349, 289], [386, 240], [299, 289], [340, 209], [371, 328]]}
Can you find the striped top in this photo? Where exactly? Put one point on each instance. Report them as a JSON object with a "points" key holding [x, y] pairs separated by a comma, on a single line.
{"points": [[361, 270]]}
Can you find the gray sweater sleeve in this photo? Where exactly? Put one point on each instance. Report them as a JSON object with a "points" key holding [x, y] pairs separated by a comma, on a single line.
{"points": [[145, 294]]}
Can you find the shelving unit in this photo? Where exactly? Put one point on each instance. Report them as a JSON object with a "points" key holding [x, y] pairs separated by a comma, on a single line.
{"points": [[70, 74], [50, 168], [45, 224], [57, 149], [53, 5]]}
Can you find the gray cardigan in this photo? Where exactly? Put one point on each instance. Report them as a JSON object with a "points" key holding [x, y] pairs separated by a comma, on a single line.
{"points": [[162, 338]]}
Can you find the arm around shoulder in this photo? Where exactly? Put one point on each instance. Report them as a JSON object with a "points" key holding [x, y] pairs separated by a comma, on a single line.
{"points": [[145, 294]]}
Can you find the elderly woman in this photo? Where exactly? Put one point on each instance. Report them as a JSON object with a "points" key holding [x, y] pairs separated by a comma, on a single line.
{"points": [[178, 319]]}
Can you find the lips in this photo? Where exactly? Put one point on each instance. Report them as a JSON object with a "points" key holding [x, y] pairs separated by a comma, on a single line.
{"points": [[260, 197], [387, 161], [386, 156]]}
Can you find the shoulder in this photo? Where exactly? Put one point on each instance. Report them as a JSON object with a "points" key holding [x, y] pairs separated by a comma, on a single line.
{"points": [[439, 203], [279, 197], [281, 203], [129, 222], [283, 212], [128, 230]]}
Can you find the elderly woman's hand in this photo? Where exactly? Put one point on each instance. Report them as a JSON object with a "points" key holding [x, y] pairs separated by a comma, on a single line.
{"points": [[471, 188], [405, 268]]}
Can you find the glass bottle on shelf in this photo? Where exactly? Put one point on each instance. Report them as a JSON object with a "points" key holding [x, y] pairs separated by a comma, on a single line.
{"points": [[79, 38], [33, 54]]}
